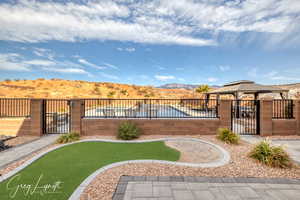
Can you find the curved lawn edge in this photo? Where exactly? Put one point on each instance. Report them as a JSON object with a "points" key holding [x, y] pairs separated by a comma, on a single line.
{"points": [[76, 194]]}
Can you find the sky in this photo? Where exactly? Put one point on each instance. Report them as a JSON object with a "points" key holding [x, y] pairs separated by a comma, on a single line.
{"points": [[151, 42]]}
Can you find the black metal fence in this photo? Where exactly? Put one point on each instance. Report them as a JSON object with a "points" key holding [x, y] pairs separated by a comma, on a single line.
{"points": [[56, 116], [150, 108], [14, 107], [245, 117], [283, 109]]}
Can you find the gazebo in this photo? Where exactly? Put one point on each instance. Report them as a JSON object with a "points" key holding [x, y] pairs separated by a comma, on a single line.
{"points": [[237, 88]]}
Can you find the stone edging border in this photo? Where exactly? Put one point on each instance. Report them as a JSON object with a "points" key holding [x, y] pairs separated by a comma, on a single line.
{"points": [[123, 181], [76, 194]]}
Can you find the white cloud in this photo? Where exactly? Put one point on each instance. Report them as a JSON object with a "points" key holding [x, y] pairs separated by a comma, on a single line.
{"points": [[212, 79], [110, 65], [180, 22], [159, 67], [164, 77], [10, 62], [107, 20], [39, 62], [131, 49], [109, 76], [85, 62], [16, 62], [224, 68], [275, 75], [66, 70], [128, 49], [42, 52]]}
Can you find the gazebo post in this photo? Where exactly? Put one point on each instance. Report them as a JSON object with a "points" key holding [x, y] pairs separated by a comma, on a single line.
{"points": [[237, 105], [256, 95], [206, 101]]}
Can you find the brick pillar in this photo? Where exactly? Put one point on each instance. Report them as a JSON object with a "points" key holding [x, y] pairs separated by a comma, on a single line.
{"points": [[266, 113], [36, 118], [225, 114], [76, 113], [297, 115]]}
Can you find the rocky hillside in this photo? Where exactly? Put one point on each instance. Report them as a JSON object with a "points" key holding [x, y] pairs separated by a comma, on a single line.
{"points": [[57, 88]]}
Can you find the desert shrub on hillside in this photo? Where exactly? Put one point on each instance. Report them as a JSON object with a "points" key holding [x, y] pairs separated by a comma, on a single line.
{"points": [[124, 92], [111, 94], [97, 91]]}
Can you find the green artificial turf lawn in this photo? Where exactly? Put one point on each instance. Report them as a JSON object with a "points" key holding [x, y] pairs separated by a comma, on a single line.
{"points": [[73, 163]]}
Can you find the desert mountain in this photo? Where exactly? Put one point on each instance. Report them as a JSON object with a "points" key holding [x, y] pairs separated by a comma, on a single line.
{"points": [[58, 88]]}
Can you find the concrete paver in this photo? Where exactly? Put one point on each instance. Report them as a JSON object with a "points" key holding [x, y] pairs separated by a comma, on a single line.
{"points": [[18, 152], [284, 189]]}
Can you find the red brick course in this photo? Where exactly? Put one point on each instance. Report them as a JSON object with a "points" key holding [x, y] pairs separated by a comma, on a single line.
{"points": [[266, 112], [284, 127], [36, 117], [152, 126], [225, 114], [76, 112]]}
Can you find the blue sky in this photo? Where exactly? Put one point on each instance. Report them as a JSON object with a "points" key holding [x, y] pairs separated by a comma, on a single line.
{"points": [[151, 42]]}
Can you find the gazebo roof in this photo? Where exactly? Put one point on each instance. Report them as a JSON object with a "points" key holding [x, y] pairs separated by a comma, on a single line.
{"points": [[247, 87]]}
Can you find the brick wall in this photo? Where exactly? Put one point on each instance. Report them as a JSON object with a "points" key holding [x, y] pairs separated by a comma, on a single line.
{"points": [[36, 109], [266, 112], [162, 126], [225, 114], [153, 126], [268, 126], [15, 126], [284, 127]]}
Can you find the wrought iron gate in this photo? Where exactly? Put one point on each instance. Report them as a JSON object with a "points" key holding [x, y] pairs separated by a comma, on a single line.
{"points": [[245, 117], [57, 116]]}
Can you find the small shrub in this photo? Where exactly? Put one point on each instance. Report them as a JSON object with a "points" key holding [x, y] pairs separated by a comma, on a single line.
{"points": [[69, 137], [228, 136], [274, 156], [128, 131]]}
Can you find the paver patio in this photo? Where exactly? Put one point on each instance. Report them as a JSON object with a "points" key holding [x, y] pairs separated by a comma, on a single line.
{"points": [[197, 188]]}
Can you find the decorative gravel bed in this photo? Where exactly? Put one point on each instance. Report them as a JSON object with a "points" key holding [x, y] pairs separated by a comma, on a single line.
{"points": [[195, 152], [241, 165]]}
